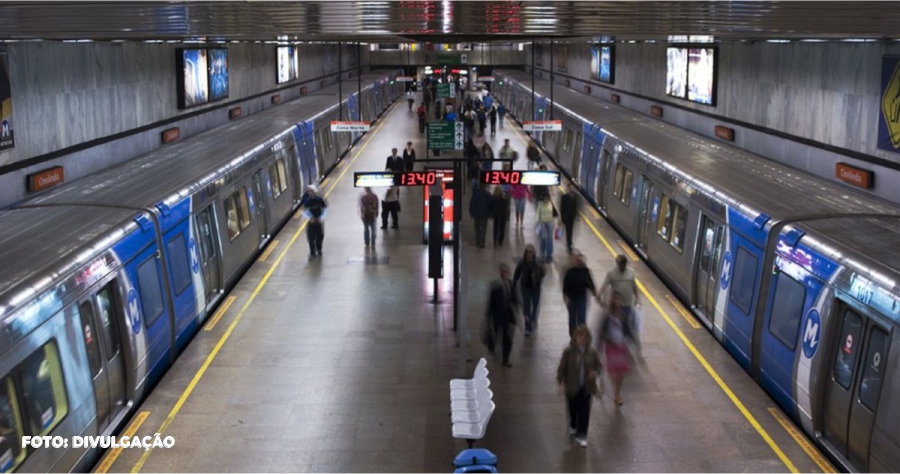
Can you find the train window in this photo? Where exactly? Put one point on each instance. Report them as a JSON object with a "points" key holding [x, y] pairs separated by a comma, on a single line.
{"points": [[243, 208], [273, 176], [787, 310], [873, 373], [178, 258], [43, 389], [151, 291], [108, 319], [709, 234], [679, 226], [91, 342], [206, 236], [744, 279], [664, 226], [328, 140], [847, 345], [11, 429], [567, 141], [282, 175], [627, 187], [234, 227], [620, 179]]}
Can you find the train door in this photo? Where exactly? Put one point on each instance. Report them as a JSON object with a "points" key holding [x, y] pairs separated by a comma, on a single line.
{"points": [[588, 168], [644, 215], [262, 206], [575, 153], [706, 278], [205, 221], [603, 167], [101, 337], [853, 385]]}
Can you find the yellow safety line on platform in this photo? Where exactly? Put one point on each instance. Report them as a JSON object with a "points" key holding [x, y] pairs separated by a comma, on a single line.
{"points": [[298, 214], [326, 180], [111, 456], [219, 312], [804, 443], [212, 355], [594, 212], [683, 312], [268, 251], [712, 372], [633, 256]]}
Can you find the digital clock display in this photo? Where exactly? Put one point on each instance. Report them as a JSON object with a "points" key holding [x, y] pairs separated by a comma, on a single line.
{"points": [[397, 178], [531, 178]]}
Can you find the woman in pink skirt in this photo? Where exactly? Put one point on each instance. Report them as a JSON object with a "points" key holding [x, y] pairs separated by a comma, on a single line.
{"points": [[612, 333]]}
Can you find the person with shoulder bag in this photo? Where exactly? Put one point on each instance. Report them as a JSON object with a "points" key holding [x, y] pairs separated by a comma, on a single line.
{"points": [[577, 376], [612, 335]]}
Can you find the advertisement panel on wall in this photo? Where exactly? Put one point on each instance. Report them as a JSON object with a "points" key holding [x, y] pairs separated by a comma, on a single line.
{"points": [[218, 74], [7, 137], [889, 116], [194, 78], [701, 72], [288, 59], [602, 63], [676, 71]]}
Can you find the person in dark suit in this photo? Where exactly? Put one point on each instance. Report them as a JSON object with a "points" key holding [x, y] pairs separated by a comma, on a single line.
{"points": [[394, 162], [501, 312], [569, 205], [409, 156]]}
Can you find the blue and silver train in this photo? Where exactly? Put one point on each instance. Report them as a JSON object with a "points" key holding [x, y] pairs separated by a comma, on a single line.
{"points": [[106, 279], [795, 275]]}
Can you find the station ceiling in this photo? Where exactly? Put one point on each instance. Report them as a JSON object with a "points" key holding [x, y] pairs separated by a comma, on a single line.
{"points": [[446, 21]]}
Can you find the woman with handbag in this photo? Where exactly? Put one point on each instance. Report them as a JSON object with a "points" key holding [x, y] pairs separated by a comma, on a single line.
{"points": [[577, 376]]}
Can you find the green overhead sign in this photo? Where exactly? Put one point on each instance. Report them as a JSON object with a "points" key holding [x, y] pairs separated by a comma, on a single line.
{"points": [[445, 135]]}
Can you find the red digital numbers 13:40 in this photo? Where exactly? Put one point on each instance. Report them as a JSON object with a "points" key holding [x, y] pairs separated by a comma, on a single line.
{"points": [[503, 177]]}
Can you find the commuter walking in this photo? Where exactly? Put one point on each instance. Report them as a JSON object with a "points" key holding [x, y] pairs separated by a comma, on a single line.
{"points": [[501, 112], [390, 205], [541, 191], [577, 375], [492, 115], [500, 213], [394, 162], [487, 157], [482, 120], [501, 313], [507, 152], [368, 211], [488, 101], [545, 224], [315, 206], [480, 210], [569, 205], [409, 157], [621, 280], [520, 194], [422, 113], [612, 333], [577, 285], [529, 275], [534, 156], [410, 98]]}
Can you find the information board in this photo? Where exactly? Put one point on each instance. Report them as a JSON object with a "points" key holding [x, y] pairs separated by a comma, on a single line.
{"points": [[445, 135]]}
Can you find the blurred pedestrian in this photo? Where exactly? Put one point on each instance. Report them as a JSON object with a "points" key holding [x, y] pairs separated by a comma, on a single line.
{"points": [[492, 116], [612, 333], [315, 206], [529, 275], [501, 112], [577, 375], [368, 212], [569, 205], [390, 205], [520, 194], [409, 157], [500, 214], [501, 313], [545, 226], [422, 113], [480, 210], [621, 280]]}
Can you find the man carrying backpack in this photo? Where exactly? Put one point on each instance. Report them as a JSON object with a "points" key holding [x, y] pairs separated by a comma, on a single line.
{"points": [[315, 209], [368, 211]]}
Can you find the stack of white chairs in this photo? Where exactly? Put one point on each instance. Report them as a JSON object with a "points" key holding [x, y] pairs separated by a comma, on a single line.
{"points": [[471, 404]]}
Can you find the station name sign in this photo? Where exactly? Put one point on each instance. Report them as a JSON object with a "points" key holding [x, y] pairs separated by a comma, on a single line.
{"points": [[542, 125], [45, 179], [855, 176], [346, 126]]}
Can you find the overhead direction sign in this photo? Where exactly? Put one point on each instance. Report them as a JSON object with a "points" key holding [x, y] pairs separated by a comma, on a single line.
{"points": [[446, 91], [445, 135], [530, 178], [381, 179], [542, 125], [347, 126]]}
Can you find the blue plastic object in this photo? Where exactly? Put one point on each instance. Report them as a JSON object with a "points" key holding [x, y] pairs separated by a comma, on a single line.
{"points": [[475, 457], [477, 468]]}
